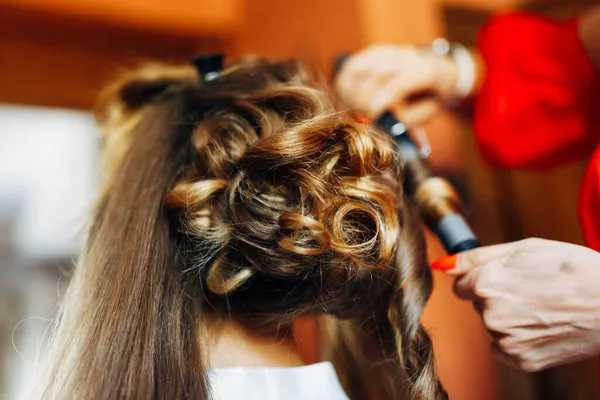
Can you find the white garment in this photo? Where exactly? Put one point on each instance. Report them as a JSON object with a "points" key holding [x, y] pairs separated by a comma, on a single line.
{"points": [[310, 382]]}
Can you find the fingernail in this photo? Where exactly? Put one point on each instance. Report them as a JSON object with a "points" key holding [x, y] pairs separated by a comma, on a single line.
{"points": [[445, 264]]}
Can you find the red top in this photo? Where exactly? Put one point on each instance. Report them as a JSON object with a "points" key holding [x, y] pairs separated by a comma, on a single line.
{"points": [[539, 105]]}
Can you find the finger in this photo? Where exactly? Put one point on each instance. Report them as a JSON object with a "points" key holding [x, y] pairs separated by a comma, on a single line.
{"points": [[419, 112], [481, 283], [395, 92], [502, 357], [480, 305], [375, 94], [359, 68], [349, 78], [464, 287], [384, 99], [391, 94], [472, 259], [376, 58]]}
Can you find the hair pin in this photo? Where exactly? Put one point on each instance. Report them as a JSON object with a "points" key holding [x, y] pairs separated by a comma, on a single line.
{"points": [[209, 65]]}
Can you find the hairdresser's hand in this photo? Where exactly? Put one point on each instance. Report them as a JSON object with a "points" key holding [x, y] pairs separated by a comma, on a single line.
{"points": [[539, 299], [384, 76]]}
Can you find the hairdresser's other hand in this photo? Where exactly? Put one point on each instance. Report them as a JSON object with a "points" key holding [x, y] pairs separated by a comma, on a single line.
{"points": [[384, 76], [540, 299]]}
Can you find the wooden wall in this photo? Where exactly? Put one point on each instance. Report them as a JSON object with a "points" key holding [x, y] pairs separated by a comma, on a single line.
{"points": [[55, 58]]}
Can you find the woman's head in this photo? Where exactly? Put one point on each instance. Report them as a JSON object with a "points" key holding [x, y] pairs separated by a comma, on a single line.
{"points": [[248, 195]]}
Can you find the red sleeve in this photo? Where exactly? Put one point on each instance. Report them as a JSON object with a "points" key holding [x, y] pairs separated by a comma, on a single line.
{"points": [[536, 106]]}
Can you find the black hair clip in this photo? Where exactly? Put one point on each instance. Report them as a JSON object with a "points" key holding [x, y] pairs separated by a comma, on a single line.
{"points": [[209, 65]]}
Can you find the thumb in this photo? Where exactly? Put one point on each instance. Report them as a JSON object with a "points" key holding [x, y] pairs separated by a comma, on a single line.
{"points": [[416, 113], [460, 264]]}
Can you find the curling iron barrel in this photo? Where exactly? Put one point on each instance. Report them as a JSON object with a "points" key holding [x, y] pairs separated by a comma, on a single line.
{"points": [[438, 202]]}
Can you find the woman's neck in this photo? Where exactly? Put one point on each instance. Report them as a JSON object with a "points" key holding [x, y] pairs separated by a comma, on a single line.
{"points": [[229, 344]]}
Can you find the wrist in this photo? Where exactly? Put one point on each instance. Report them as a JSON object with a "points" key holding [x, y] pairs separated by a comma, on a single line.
{"points": [[446, 74], [458, 70]]}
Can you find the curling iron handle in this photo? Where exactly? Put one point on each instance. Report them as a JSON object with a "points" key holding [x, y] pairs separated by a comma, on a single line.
{"points": [[455, 234], [464, 246]]}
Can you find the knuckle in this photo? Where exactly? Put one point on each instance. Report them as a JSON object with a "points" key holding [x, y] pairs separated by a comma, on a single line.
{"points": [[527, 362], [511, 258], [532, 242], [396, 88], [504, 345], [470, 258], [529, 365], [483, 284], [427, 76], [492, 323], [509, 345], [413, 53], [487, 275], [341, 87], [480, 290]]}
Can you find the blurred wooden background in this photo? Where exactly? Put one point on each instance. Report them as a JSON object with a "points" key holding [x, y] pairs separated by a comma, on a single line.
{"points": [[60, 53]]}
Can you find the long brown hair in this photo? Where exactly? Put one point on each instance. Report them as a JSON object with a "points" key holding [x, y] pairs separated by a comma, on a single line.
{"points": [[248, 195]]}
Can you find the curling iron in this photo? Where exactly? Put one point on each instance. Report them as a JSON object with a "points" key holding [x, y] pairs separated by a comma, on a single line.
{"points": [[436, 199]]}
